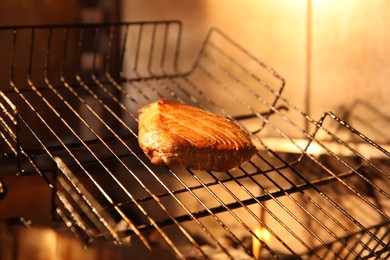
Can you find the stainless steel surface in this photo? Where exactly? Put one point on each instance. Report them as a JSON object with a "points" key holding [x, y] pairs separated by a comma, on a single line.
{"points": [[69, 114], [322, 49]]}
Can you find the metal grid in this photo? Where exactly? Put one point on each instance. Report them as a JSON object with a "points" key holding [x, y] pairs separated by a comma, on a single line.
{"points": [[315, 189]]}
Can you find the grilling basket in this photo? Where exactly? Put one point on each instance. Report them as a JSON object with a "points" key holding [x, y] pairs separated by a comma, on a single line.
{"points": [[316, 189]]}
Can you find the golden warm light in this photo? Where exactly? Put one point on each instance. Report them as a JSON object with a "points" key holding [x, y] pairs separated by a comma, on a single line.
{"points": [[314, 149], [261, 235]]}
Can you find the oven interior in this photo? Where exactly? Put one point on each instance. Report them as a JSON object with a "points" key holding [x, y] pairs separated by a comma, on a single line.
{"points": [[317, 188]]}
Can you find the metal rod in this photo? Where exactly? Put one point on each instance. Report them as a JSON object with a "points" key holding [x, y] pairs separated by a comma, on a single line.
{"points": [[297, 198]]}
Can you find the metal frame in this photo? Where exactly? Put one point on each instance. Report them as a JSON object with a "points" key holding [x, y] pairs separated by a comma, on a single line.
{"points": [[69, 113]]}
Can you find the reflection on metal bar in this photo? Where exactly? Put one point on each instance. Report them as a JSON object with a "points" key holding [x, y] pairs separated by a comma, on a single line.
{"points": [[85, 119]]}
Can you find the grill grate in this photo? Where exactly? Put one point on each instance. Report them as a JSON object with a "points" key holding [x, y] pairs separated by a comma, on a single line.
{"points": [[314, 189]]}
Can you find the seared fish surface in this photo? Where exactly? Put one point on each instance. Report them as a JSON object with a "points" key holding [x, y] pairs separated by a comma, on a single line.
{"points": [[180, 135]]}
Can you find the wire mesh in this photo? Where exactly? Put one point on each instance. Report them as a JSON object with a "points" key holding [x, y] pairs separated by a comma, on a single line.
{"points": [[69, 113]]}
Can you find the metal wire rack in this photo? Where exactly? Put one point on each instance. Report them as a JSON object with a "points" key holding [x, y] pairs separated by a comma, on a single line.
{"points": [[69, 113]]}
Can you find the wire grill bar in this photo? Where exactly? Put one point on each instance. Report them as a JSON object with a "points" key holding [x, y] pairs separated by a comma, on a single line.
{"points": [[72, 102]]}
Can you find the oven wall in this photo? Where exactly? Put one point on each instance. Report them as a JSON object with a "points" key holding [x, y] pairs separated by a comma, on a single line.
{"points": [[334, 55]]}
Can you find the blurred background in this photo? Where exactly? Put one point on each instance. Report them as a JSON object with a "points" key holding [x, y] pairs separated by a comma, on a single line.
{"points": [[334, 56]]}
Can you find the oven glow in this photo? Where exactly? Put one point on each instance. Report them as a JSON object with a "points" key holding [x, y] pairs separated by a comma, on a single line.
{"points": [[314, 149], [263, 235]]}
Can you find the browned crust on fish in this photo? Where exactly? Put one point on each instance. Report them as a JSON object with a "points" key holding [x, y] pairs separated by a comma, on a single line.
{"points": [[180, 135]]}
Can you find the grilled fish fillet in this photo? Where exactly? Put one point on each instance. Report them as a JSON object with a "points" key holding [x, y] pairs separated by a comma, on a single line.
{"points": [[180, 135]]}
